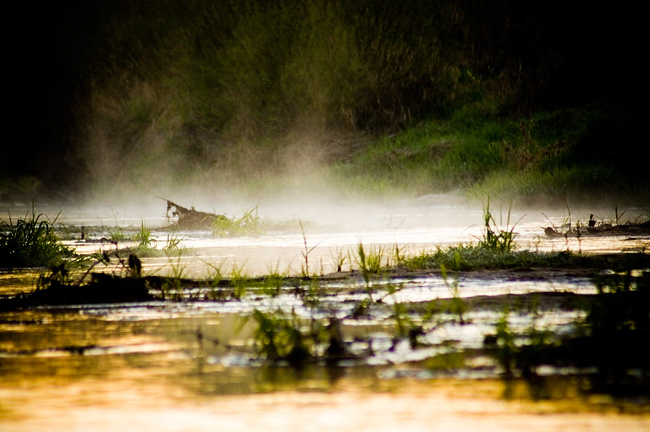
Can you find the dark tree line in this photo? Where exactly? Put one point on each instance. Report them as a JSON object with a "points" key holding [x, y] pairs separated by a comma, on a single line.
{"points": [[236, 62]]}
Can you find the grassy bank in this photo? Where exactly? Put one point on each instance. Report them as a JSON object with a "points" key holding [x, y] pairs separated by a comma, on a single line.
{"points": [[547, 157], [451, 95]]}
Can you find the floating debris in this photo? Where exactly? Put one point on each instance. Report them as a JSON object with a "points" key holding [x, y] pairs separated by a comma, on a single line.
{"points": [[189, 218], [597, 229]]}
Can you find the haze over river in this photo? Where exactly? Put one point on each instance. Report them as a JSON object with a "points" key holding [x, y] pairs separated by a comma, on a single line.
{"points": [[158, 365]]}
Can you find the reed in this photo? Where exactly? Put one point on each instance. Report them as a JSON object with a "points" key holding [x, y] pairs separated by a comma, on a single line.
{"points": [[31, 242], [144, 237], [249, 223], [239, 281], [281, 338], [500, 240]]}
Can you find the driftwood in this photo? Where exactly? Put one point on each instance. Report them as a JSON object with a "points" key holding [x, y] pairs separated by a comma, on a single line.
{"points": [[189, 218], [602, 229]]}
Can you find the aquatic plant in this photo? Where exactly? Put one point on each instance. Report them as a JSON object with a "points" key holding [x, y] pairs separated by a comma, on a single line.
{"points": [[239, 281], [339, 258], [249, 223], [61, 286], [616, 323], [495, 238], [465, 257], [458, 306], [144, 238], [503, 342], [311, 291], [368, 262], [273, 281], [59, 275], [304, 269], [403, 322], [398, 257], [214, 279], [173, 285], [173, 242], [117, 234], [277, 337], [31, 242]]}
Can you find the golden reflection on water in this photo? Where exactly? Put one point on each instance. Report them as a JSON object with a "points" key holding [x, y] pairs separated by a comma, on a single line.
{"points": [[69, 370], [135, 400]]}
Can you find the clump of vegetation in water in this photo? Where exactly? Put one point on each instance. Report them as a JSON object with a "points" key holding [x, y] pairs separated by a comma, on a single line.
{"points": [[280, 338], [500, 240], [467, 257], [146, 244], [249, 223], [607, 342], [617, 323], [144, 238], [31, 242]]}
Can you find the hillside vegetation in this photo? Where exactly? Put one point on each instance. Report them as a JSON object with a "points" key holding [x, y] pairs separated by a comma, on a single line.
{"points": [[532, 98]]}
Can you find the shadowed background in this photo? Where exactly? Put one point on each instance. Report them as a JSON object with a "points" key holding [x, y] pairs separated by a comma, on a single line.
{"points": [[157, 94]]}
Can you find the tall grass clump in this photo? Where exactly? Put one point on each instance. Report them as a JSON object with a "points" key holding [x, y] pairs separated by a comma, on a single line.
{"points": [[248, 223], [31, 242], [496, 239], [281, 338], [144, 237]]}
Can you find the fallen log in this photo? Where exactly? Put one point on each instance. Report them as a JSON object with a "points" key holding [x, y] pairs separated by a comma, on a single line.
{"points": [[599, 230], [189, 218]]}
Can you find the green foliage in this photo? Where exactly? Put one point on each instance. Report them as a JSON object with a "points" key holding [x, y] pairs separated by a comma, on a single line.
{"points": [[248, 224], [239, 281], [369, 262], [622, 306], [403, 323], [458, 306], [31, 242], [277, 337], [505, 343], [339, 258], [304, 268], [144, 238], [214, 279], [273, 282], [525, 158], [494, 238], [117, 234], [471, 257], [173, 243], [218, 86], [173, 285]]}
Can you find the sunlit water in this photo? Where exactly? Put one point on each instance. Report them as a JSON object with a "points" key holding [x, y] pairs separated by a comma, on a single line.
{"points": [[144, 367]]}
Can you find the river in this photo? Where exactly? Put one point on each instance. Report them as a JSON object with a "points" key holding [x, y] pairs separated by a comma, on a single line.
{"points": [[183, 366]]}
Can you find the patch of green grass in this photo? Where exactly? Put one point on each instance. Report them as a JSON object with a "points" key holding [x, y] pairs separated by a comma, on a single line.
{"points": [[472, 257], [369, 262], [495, 238], [457, 306], [31, 242], [249, 223], [279, 338], [273, 281], [144, 238], [340, 258], [240, 281], [117, 234], [529, 159]]}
